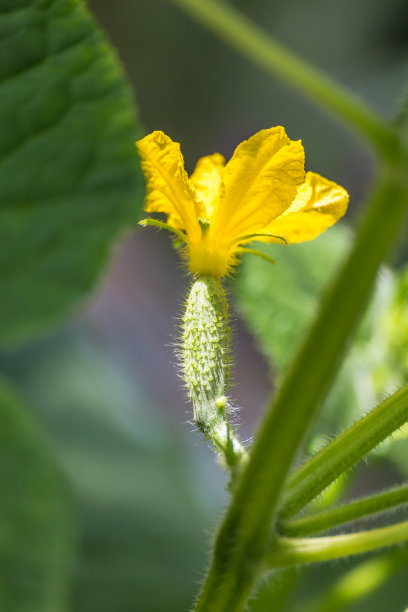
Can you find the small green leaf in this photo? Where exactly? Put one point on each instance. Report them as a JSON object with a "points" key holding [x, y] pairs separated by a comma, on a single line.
{"points": [[69, 173], [35, 523]]}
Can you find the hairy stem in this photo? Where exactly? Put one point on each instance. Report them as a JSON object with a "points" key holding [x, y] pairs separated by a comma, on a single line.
{"points": [[294, 551], [366, 506], [343, 452]]}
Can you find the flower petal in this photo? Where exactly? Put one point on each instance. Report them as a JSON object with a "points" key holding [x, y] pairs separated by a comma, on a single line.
{"points": [[261, 181], [207, 180], [319, 203], [168, 188]]}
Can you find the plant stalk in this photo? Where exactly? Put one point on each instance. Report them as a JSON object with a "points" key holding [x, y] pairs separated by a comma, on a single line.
{"points": [[294, 551], [343, 452], [361, 508]]}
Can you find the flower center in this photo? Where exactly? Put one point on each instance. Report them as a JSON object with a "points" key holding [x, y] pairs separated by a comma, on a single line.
{"points": [[204, 224]]}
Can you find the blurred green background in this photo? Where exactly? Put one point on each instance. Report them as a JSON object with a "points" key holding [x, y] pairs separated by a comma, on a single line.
{"points": [[144, 491]]}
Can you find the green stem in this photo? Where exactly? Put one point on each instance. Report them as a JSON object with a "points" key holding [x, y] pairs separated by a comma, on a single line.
{"points": [[294, 551], [343, 452], [373, 504], [241, 541], [240, 33]]}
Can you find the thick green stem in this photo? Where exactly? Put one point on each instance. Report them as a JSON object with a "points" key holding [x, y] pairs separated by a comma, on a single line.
{"points": [[294, 551], [366, 506], [343, 452], [250, 40]]}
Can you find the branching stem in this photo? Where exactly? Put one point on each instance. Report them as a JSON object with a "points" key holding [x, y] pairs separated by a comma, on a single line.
{"points": [[360, 508], [294, 551], [343, 452]]}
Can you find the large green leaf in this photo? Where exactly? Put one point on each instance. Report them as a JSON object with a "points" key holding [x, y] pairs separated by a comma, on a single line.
{"points": [[35, 522], [69, 174]]}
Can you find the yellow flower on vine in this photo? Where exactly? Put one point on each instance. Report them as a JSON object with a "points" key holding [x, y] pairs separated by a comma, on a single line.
{"points": [[261, 194]]}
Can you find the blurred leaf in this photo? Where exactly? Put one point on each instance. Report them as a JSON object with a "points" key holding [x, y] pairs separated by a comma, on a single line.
{"points": [[69, 175], [401, 119], [279, 302], [35, 525], [364, 579], [146, 489], [274, 591]]}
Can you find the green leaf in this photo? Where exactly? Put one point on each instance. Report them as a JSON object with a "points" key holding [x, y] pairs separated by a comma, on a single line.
{"points": [[35, 523], [279, 302], [144, 491], [275, 591], [362, 580], [69, 174]]}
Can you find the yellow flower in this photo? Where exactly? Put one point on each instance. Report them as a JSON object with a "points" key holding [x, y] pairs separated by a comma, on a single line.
{"points": [[262, 193]]}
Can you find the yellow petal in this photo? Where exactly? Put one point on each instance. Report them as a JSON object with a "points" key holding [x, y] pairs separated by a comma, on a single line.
{"points": [[207, 180], [168, 188], [319, 203], [261, 181]]}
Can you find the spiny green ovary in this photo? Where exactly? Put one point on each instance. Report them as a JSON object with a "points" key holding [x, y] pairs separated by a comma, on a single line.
{"points": [[205, 353]]}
